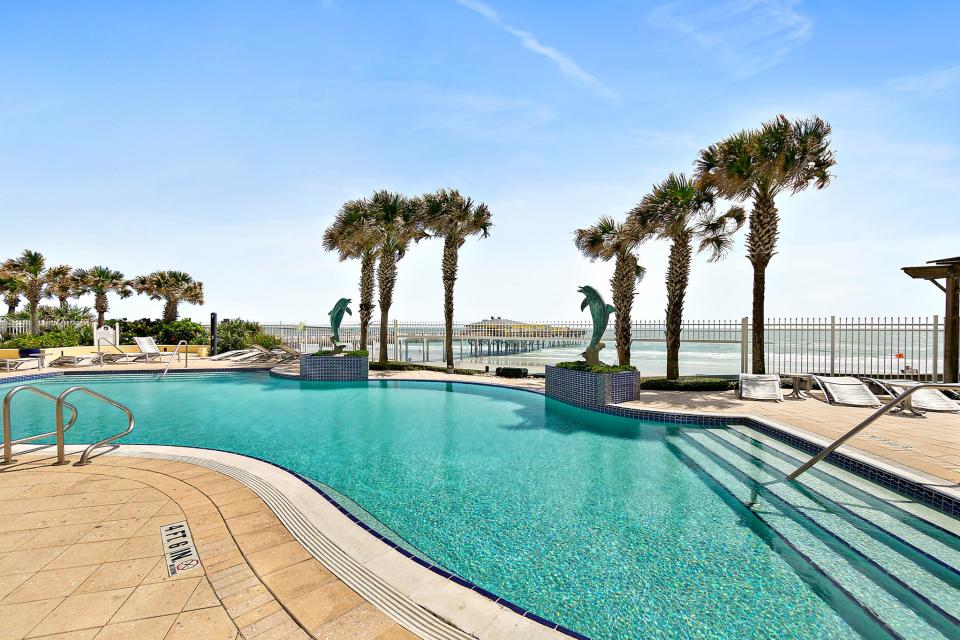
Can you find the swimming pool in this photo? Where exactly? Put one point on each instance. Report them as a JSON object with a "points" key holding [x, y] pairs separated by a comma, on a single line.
{"points": [[612, 527]]}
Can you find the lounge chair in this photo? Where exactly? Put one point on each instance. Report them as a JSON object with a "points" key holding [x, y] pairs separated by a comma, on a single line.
{"points": [[264, 354], [846, 391], [150, 351], [755, 386], [289, 354], [231, 355], [15, 364], [88, 359], [918, 401]]}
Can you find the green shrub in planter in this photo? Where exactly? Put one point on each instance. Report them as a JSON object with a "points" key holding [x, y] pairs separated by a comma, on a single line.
{"points": [[580, 365], [359, 353]]}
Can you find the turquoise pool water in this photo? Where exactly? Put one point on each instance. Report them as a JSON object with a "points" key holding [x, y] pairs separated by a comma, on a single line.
{"points": [[612, 527]]}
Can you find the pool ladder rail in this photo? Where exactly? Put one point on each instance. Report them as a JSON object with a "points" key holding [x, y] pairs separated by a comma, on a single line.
{"points": [[902, 399], [61, 427], [176, 352]]}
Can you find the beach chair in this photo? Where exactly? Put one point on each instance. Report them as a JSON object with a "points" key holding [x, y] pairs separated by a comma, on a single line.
{"points": [[918, 401], [289, 354], [16, 364], [843, 390], [754, 386], [149, 350], [264, 354], [230, 355], [87, 359]]}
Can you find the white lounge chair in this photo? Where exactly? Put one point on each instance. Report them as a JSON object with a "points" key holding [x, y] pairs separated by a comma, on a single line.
{"points": [[756, 386], [846, 391], [918, 401], [150, 351]]}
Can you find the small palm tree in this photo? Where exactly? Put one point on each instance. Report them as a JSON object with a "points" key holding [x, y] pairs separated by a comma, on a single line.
{"points": [[354, 235], [606, 240], [11, 286], [398, 222], [449, 215], [173, 287], [100, 281], [31, 270], [760, 164], [683, 212], [63, 284]]}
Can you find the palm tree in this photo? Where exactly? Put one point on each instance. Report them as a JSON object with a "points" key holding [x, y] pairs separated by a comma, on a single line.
{"points": [[100, 281], [683, 212], [11, 287], [449, 215], [63, 284], [606, 240], [760, 164], [398, 223], [354, 235], [31, 270], [173, 287]]}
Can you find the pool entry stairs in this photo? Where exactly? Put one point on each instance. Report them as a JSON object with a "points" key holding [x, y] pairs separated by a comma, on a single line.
{"points": [[887, 571]]}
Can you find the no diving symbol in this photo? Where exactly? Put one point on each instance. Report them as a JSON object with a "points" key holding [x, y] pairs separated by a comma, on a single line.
{"points": [[187, 564]]}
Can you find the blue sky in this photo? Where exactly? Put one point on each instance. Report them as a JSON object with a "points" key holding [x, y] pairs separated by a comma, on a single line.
{"points": [[220, 138]]}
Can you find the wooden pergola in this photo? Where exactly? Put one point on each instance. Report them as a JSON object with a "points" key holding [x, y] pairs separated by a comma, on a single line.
{"points": [[947, 269]]}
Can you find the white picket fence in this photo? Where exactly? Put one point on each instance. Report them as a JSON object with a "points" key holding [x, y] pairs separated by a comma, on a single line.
{"points": [[13, 328]]}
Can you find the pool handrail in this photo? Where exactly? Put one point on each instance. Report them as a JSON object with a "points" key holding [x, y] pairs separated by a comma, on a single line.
{"points": [[84, 457], [186, 362], [895, 402], [8, 442]]}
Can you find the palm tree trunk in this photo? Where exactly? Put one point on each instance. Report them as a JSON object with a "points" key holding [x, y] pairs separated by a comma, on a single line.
{"points": [[170, 310], [449, 268], [387, 279], [34, 316], [63, 302], [12, 302], [678, 275], [100, 304], [367, 264], [761, 245], [623, 285]]}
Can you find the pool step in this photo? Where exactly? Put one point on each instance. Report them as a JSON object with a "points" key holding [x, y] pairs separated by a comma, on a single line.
{"points": [[933, 545], [914, 571], [891, 606]]}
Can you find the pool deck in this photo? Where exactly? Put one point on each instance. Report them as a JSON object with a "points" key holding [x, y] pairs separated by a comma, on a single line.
{"points": [[81, 555]]}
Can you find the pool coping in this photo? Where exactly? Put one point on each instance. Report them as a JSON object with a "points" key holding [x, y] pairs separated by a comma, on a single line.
{"points": [[471, 599]]}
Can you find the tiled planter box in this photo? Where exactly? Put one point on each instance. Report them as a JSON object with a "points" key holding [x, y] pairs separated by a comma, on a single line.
{"points": [[591, 390], [333, 368]]}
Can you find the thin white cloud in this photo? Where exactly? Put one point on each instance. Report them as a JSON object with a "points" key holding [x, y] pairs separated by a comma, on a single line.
{"points": [[746, 36], [931, 81], [565, 63]]}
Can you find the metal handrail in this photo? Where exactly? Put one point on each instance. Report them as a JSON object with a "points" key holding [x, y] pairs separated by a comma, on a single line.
{"points": [[101, 340], [84, 457], [186, 361], [868, 421], [8, 442]]}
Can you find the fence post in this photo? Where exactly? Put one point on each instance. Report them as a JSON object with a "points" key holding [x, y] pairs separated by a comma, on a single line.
{"points": [[396, 339], [936, 348], [744, 342], [833, 344]]}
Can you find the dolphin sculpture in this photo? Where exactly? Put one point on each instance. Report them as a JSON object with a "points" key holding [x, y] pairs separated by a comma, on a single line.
{"points": [[600, 312], [336, 317]]}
